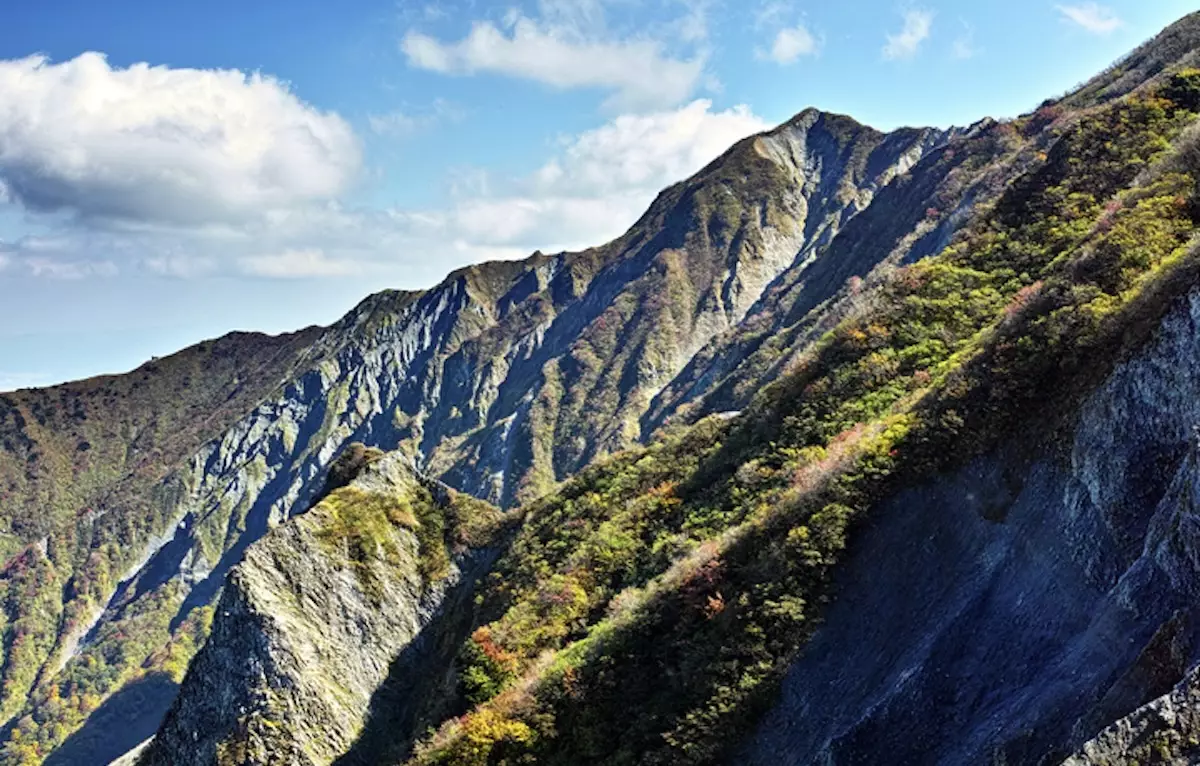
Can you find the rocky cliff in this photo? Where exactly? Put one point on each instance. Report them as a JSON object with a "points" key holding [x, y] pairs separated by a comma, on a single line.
{"points": [[312, 620], [502, 380], [1019, 605], [880, 309]]}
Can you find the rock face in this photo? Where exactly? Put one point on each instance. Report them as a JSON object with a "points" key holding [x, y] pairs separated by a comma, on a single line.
{"points": [[913, 216], [503, 380], [1018, 607], [312, 620], [510, 377], [1166, 730]]}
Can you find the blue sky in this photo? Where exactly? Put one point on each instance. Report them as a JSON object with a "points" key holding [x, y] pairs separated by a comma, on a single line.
{"points": [[173, 171]]}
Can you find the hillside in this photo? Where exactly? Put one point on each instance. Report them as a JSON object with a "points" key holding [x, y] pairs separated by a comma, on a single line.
{"points": [[786, 466], [873, 534], [501, 381], [89, 475]]}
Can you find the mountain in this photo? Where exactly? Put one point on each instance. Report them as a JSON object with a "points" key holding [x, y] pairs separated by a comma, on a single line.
{"points": [[856, 447], [501, 381], [377, 560]]}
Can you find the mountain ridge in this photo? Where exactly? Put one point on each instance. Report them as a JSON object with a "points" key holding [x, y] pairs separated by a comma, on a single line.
{"points": [[508, 378], [451, 376]]}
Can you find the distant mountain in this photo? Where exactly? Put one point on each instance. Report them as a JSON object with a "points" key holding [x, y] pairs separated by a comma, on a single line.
{"points": [[893, 424]]}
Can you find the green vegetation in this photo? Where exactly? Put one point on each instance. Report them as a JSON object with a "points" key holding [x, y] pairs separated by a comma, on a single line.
{"points": [[646, 613], [140, 647], [358, 521], [90, 472]]}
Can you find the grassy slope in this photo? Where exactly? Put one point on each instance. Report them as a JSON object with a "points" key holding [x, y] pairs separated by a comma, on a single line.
{"points": [[647, 612], [85, 473], [83, 449]]}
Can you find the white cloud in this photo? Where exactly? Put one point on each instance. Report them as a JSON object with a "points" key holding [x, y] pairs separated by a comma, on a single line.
{"points": [[638, 71], [964, 45], [297, 264], [156, 145], [53, 268], [404, 124], [603, 179], [792, 43], [1093, 17], [593, 187], [652, 150], [904, 44]]}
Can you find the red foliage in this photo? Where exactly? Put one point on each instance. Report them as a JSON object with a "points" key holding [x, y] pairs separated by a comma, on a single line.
{"points": [[1022, 299], [700, 590]]}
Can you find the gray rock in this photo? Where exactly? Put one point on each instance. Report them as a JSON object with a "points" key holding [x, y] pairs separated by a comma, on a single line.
{"points": [[304, 634], [1007, 613]]}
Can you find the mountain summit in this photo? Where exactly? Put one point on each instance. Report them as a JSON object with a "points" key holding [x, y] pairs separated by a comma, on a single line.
{"points": [[855, 448]]}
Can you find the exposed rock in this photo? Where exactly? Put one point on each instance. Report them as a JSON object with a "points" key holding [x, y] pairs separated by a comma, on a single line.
{"points": [[1007, 613], [510, 377], [507, 377], [1166, 731], [313, 618]]}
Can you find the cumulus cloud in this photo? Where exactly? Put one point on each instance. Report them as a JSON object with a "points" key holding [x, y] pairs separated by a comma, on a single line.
{"points": [[297, 264], [907, 42], [638, 72], [602, 179], [594, 187], [1093, 17], [590, 189], [156, 145], [791, 44], [649, 150]]}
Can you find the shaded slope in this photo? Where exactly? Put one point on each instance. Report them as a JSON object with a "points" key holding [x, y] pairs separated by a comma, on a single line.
{"points": [[673, 588], [614, 325], [311, 620], [86, 469], [502, 380]]}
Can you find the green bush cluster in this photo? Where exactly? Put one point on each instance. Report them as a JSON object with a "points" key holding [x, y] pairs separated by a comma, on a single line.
{"points": [[646, 613], [90, 472]]}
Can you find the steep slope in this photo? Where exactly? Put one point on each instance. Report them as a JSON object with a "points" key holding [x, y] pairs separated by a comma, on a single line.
{"points": [[649, 611], [877, 304], [502, 380], [1046, 597], [313, 618], [640, 307], [910, 219], [86, 480], [913, 218]]}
